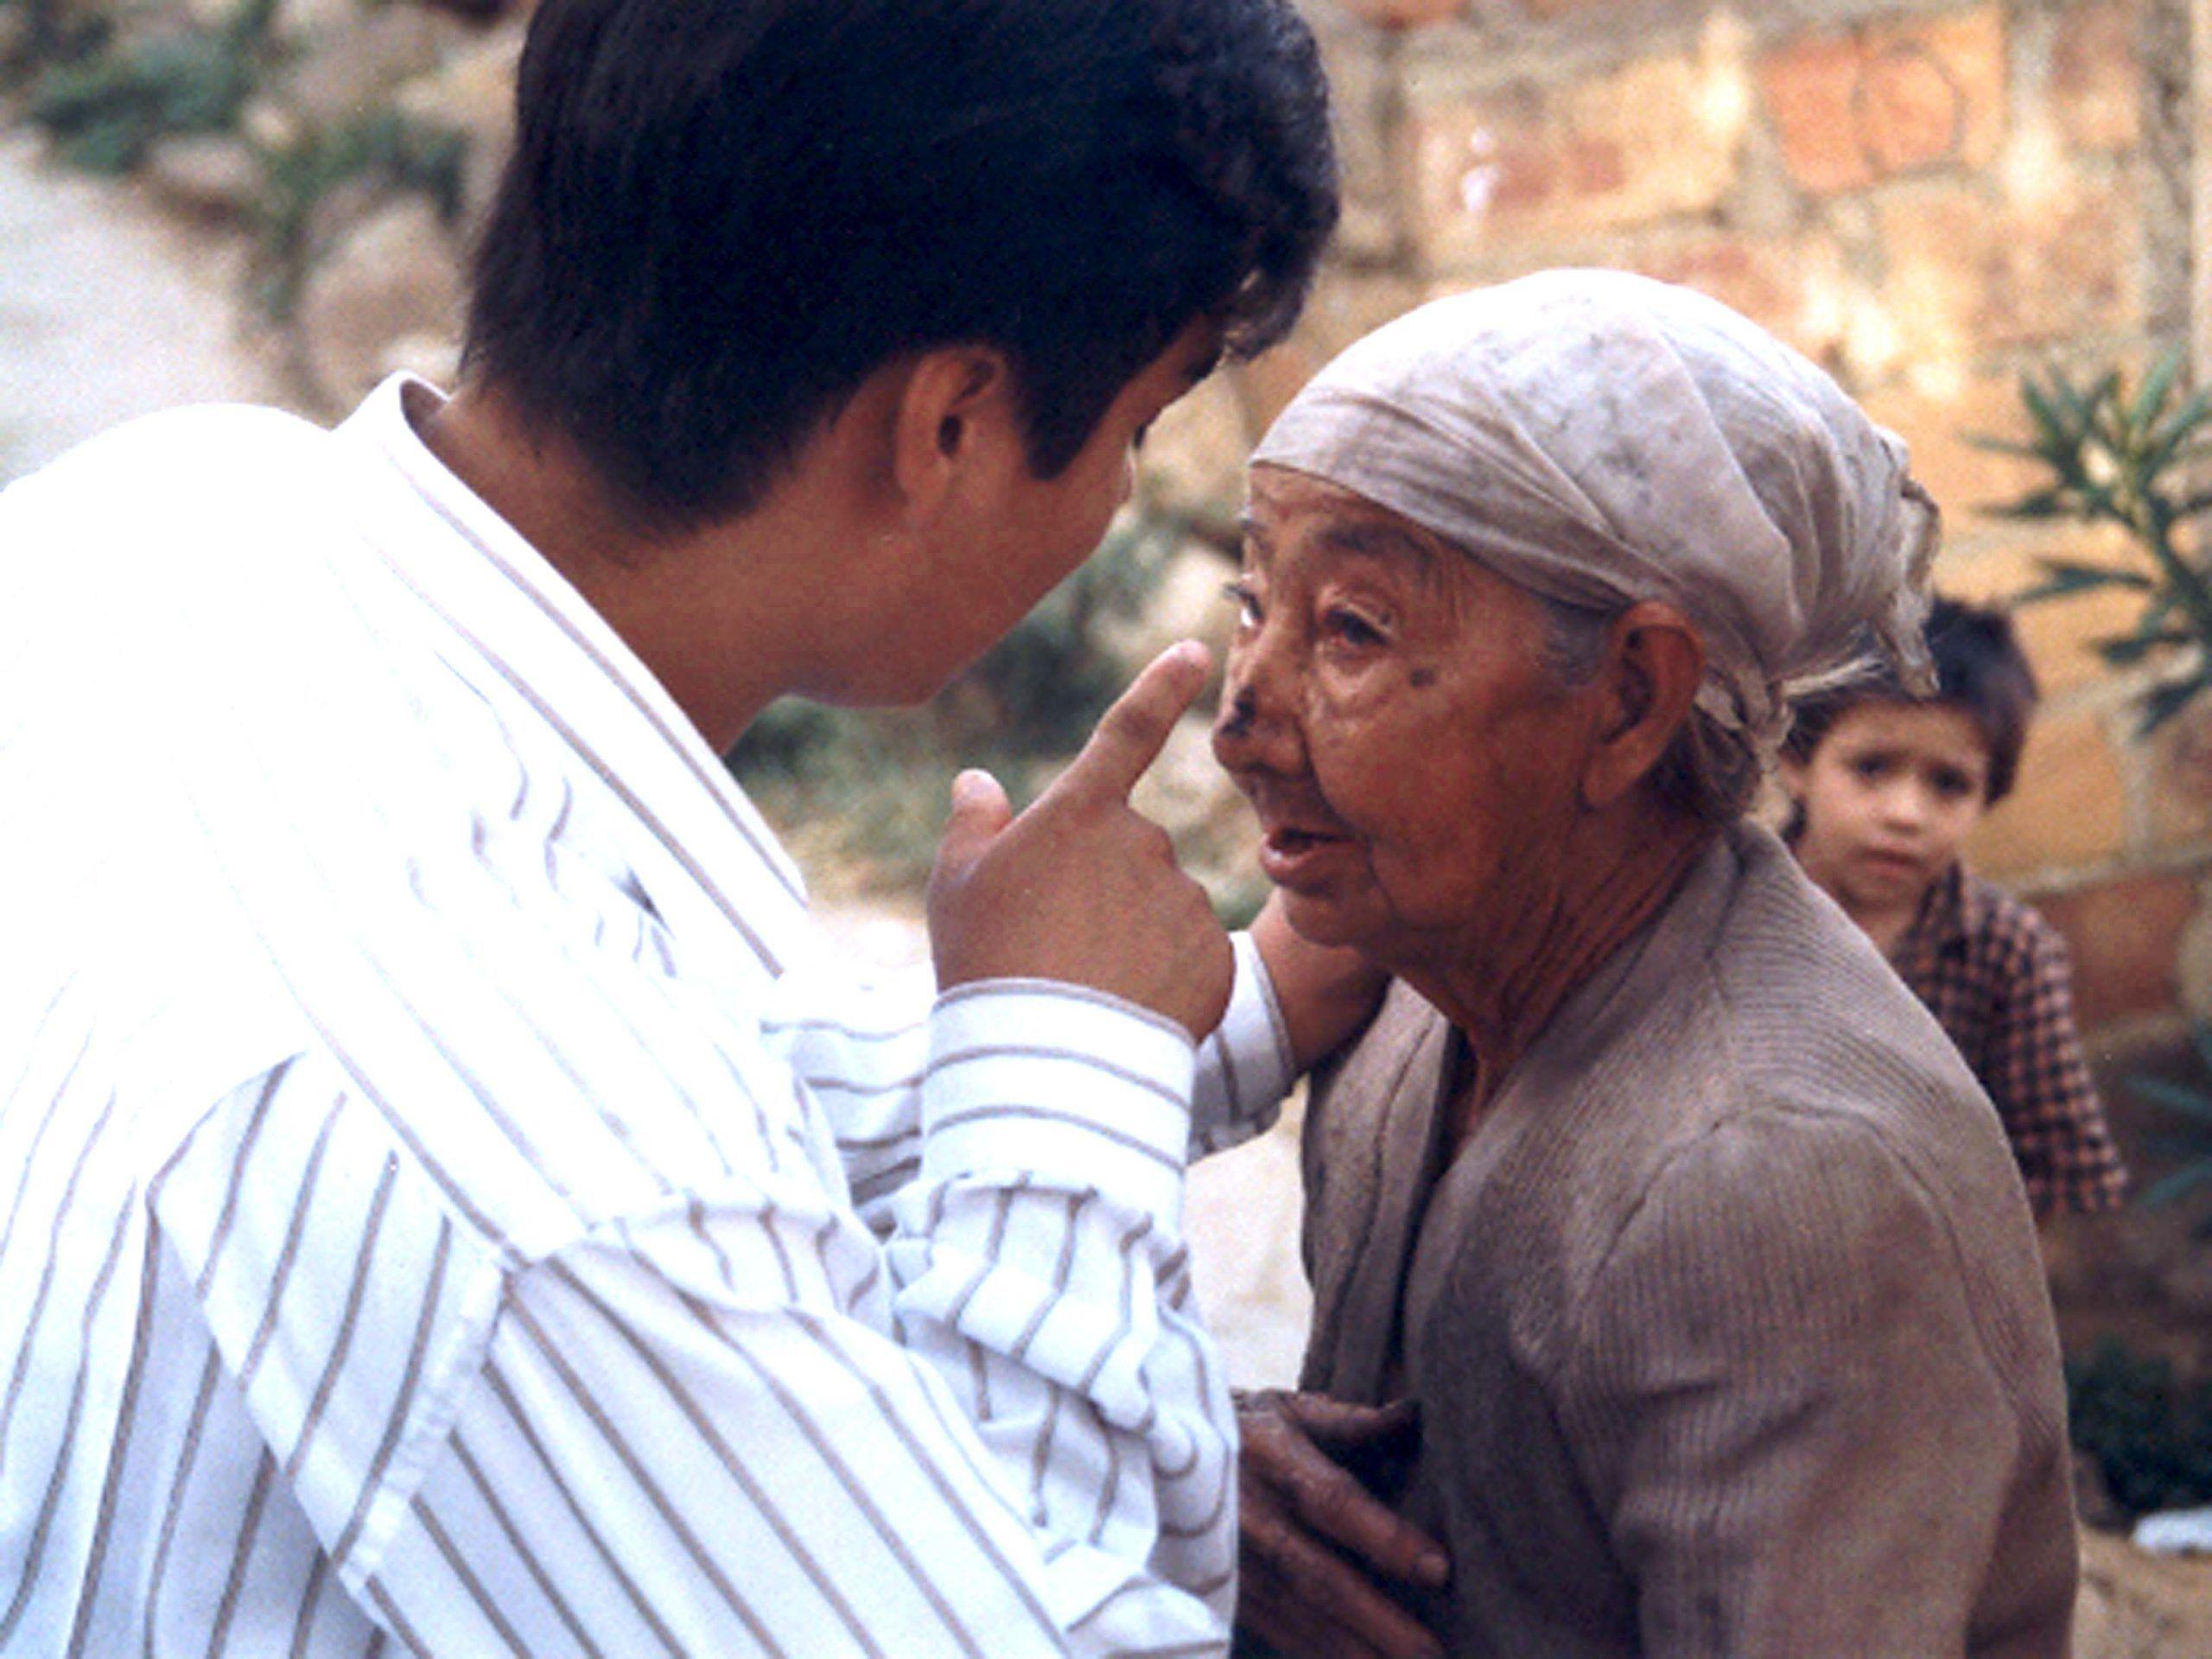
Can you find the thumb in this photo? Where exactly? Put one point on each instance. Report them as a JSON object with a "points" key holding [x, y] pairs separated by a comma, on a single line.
{"points": [[980, 811]]}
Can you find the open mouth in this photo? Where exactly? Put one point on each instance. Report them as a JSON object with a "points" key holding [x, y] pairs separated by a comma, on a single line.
{"points": [[1300, 858], [1291, 842]]}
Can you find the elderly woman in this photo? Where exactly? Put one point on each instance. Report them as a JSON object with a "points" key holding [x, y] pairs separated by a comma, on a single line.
{"points": [[1694, 1240]]}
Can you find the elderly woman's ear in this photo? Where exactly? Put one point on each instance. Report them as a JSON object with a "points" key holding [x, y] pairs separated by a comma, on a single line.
{"points": [[1653, 664]]}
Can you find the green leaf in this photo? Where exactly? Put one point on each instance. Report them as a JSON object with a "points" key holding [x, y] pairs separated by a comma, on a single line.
{"points": [[2062, 577], [2057, 438], [2157, 385], [2043, 504], [2175, 1096], [2163, 702], [2165, 445], [2186, 419], [1997, 446], [2123, 650], [2178, 1185]]}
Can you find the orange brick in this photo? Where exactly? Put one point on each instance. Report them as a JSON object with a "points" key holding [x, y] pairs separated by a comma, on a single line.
{"points": [[2096, 75], [1964, 268], [2123, 935], [2068, 807], [1938, 417], [1851, 110], [1786, 285], [1402, 14], [1343, 309], [1563, 161], [2178, 778]]}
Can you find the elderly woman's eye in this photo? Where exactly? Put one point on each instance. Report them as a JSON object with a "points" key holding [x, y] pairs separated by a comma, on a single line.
{"points": [[1352, 629], [1247, 602]]}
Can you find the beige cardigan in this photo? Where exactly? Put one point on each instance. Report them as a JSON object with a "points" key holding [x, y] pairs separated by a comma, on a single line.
{"points": [[1728, 1324]]}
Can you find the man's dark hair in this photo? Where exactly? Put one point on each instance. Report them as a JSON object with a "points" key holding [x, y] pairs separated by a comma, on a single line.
{"points": [[721, 216], [1980, 668]]}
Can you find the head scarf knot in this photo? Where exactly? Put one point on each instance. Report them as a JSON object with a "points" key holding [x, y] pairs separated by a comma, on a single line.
{"points": [[1603, 439]]}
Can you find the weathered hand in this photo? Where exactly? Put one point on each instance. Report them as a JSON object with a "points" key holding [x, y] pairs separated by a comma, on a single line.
{"points": [[1328, 993], [1081, 888], [1317, 1549]]}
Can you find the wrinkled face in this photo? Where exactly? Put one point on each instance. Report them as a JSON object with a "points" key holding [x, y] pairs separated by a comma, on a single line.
{"points": [[1415, 763], [1890, 796]]}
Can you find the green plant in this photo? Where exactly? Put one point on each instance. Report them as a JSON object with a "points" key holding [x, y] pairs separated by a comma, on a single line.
{"points": [[2126, 457], [2186, 1149], [107, 107], [2151, 1436], [382, 147]]}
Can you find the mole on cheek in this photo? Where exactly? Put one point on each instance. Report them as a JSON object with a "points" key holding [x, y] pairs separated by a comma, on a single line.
{"points": [[1421, 678]]}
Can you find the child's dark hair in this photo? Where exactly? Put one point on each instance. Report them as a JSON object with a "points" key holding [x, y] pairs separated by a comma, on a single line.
{"points": [[721, 216], [1980, 668]]}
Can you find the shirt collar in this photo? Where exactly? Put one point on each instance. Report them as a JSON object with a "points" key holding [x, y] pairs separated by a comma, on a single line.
{"points": [[544, 639], [1940, 926]]}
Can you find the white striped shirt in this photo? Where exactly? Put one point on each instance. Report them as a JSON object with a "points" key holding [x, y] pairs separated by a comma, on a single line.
{"points": [[449, 1204]]}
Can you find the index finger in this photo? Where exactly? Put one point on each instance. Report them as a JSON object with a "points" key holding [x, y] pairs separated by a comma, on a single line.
{"points": [[1130, 734]]}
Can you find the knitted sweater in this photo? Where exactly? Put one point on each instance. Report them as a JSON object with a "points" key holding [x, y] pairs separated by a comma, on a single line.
{"points": [[1727, 1322]]}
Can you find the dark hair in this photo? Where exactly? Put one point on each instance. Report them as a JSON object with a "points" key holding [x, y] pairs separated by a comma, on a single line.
{"points": [[1980, 668], [721, 216]]}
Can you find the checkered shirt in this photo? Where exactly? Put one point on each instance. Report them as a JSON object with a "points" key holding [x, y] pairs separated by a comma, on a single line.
{"points": [[1997, 979]]}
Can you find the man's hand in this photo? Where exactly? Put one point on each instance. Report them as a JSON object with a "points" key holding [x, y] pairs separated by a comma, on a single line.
{"points": [[1317, 1548], [1080, 888]]}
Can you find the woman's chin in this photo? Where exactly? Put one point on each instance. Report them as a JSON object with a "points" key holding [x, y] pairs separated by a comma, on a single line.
{"points": [[1320, 918]]}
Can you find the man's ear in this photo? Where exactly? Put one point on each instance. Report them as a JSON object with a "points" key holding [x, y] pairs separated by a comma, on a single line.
{"points": [[1654, 664], [954, 412]]}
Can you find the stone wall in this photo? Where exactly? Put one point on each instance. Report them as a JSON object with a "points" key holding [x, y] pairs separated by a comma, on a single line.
{"points": [[1928, 198]]}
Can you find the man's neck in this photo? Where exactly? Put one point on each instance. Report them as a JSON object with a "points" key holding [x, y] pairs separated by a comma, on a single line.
{"points": [[723, 649]]}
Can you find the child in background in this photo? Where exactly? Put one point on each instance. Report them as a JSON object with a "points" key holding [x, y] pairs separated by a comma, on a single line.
{"points": [[1886, 787]]}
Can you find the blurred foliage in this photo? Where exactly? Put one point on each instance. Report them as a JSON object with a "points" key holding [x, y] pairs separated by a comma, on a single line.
{"points": [[2151, 1436], [2185, 1151], [113, 92], [107, 90], [2127, 456], [875, 782], [381, 148]]}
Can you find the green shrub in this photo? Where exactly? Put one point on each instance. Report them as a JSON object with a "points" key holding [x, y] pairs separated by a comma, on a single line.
{"points": [[107, 107], [2128, 457], [2150, 1436]]}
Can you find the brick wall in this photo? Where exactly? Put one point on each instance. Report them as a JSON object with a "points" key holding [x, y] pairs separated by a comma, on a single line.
{"points": [[1928, 199]]}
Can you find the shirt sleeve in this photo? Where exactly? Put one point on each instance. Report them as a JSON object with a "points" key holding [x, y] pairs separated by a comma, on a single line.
{"points": [[861, 1050], [2040, 1082], [1244, 1068], [1784, 1391], [739, 1422]]}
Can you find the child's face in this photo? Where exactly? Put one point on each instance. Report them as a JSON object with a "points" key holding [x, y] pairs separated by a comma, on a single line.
{"points": [[1889, 797]]}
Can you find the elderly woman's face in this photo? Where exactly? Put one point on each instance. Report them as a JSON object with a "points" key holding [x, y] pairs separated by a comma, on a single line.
{"points": [[1413, 762]]}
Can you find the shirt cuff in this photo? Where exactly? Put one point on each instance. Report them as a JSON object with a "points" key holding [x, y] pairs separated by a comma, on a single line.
{"points": [[1245, 1068], [1059, 1085]]}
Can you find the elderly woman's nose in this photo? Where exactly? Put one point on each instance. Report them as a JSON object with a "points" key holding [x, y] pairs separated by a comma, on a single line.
{"points": [[1250, 731]]}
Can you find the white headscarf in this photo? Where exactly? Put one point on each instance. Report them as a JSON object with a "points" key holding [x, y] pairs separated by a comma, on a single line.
{"points": [[1602, 438]]}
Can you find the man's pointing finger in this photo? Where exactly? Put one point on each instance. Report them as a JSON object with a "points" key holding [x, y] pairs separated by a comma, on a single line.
{"points": [[1131, 732]]}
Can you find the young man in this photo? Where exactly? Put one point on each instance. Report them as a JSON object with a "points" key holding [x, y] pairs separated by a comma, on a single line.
{"points": [[1886, 789], [449, 1204]]}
